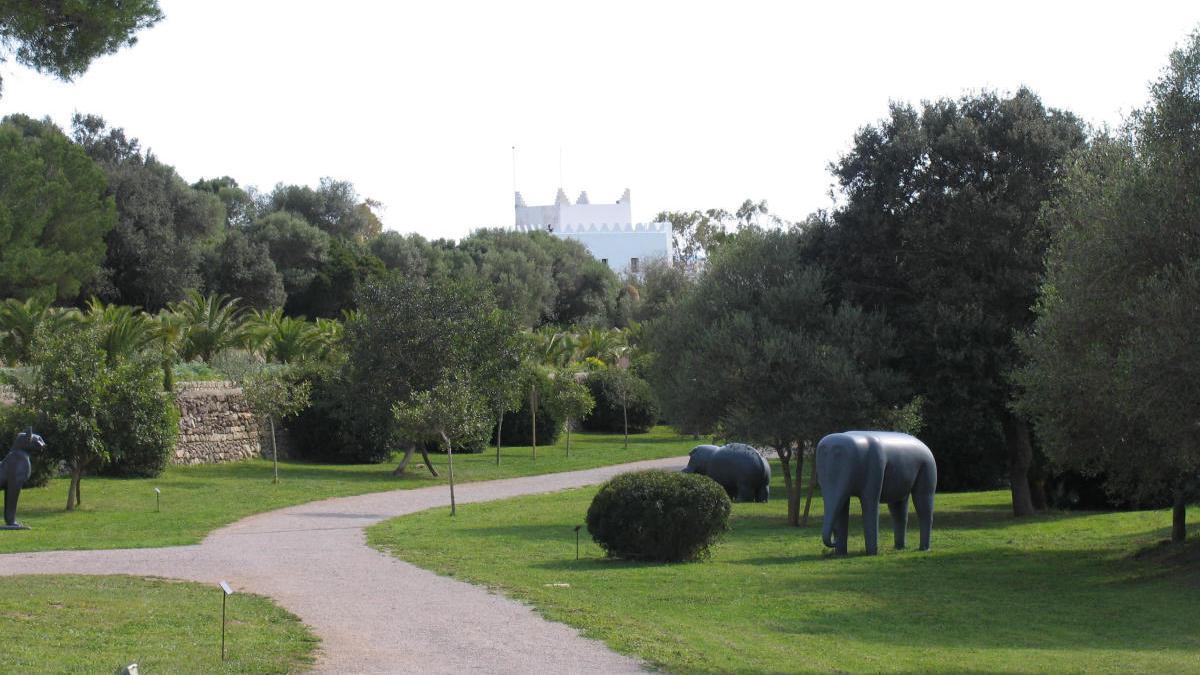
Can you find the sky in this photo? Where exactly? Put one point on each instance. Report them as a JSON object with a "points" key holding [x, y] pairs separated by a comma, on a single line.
{"points": [[691, 105]]}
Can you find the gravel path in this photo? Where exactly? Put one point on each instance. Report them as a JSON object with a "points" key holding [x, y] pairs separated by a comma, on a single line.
{"points": [[373, 612]]}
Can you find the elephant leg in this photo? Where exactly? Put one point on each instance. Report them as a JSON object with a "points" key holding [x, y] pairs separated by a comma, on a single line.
{"points": [[841, 529], [923, 502], [870, 513], [747, 492], [763, 494], [899, 510]]}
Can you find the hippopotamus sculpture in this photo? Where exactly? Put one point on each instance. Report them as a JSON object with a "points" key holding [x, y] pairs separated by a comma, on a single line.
{"points": [[737, 467], [15, 469], [875, 466]]}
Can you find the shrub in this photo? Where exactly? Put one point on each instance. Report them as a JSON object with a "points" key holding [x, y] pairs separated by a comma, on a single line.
{"points": [[139, 424], [658, 515], [517, 426], [606, 388], [335, 428]]}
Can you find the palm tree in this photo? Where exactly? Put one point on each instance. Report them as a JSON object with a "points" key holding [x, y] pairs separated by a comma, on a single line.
{"points": [[124, 331], [603, 345], [283, 339], [328, 334], [168, 329], [18, 323], [212, 324]]}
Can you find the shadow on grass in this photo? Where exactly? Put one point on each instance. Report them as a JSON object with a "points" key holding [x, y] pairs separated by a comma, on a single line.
{"points": [[1064, 599]]}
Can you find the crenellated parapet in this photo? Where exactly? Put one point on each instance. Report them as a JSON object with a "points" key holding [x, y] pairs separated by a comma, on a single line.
{"points": [[587, 228], [606, 229]]}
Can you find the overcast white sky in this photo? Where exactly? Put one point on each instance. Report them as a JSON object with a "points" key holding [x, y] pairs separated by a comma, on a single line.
{"points": [[691, 105]]}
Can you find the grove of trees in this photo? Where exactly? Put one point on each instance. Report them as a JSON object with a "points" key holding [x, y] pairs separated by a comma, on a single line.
{"points": [[1017, 287]]}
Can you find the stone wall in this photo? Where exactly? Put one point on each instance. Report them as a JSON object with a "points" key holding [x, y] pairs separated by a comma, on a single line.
{"points": [[215, 425]]}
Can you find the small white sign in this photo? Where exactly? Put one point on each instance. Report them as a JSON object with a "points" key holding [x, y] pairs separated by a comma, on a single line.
{"points": [[156, 491], [225, 587]]}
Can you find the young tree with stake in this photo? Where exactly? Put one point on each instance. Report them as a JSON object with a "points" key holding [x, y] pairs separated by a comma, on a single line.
{"points": [[453, 411]]}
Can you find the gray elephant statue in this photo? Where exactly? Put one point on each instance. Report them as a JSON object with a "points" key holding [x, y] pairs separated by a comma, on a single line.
{"points": [[877, 467], [15, 469], [737, 467]]}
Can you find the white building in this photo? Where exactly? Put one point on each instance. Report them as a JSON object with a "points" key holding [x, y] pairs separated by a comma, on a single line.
{"points": [[607, 230]]}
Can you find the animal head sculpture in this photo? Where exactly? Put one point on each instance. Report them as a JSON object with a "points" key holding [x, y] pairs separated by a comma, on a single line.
{"points": [[29, 441]]}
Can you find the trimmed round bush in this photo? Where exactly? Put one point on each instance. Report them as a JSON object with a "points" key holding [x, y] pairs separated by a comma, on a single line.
{"points": [[658, 515], [606, 388]]}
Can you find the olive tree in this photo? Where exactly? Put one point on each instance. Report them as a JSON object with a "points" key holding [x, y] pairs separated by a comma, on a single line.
{"points": [[410, 336], [759, 352], [1111, 381], [569, 399]]}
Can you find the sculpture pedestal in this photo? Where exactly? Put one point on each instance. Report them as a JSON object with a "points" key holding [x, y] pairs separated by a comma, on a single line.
{"points": [[18, 526]]}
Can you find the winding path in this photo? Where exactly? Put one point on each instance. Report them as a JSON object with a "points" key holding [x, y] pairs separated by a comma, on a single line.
{"points": [[373, 612]]}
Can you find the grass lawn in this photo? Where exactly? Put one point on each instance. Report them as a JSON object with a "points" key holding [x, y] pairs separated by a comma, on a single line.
{"points": [[1061, 592], [100, 624], [119, 513]]}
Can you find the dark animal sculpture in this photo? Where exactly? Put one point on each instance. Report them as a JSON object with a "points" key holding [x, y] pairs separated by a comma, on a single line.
{"points": [[877, 467], [737, 467], [14, 471]]}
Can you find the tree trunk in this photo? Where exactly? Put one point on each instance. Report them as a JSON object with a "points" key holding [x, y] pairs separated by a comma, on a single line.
{"points": [[812, 486], [408, 454], [450, 463], [274, 450], [428, 462], [499, 426], [567, 424], [533, 411], [1037, 488], [1020, 458], [797, 489], [73, 488], [625, 414], [1179, 517], [785, 462]]}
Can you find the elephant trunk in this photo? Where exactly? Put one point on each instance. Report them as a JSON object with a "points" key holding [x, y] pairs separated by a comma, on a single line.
{"points": [[827, 526]]}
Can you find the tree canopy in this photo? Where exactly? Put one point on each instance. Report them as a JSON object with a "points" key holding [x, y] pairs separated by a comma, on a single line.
{"points": [[760, 352], [940, 231], [63, 38], [54, 212], [1111, 380]]}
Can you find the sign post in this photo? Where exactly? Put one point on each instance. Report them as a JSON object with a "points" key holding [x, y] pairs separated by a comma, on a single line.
{"points": [[226, 591]]}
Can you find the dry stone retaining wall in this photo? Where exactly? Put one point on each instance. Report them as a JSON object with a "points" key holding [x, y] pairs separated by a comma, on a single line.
{"points": [[215, 424]]}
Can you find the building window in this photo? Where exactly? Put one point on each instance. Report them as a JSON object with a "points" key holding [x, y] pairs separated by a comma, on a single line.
{"points": [[604, 260], [633, 266]]}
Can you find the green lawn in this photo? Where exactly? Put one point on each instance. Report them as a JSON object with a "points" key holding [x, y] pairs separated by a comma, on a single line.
{"points": [[119, 513], [60, 624], [1057, 593]]}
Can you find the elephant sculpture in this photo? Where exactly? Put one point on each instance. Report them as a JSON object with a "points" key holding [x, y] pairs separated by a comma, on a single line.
{"points": [[15, 469], [737, 467], [877, 467]]}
